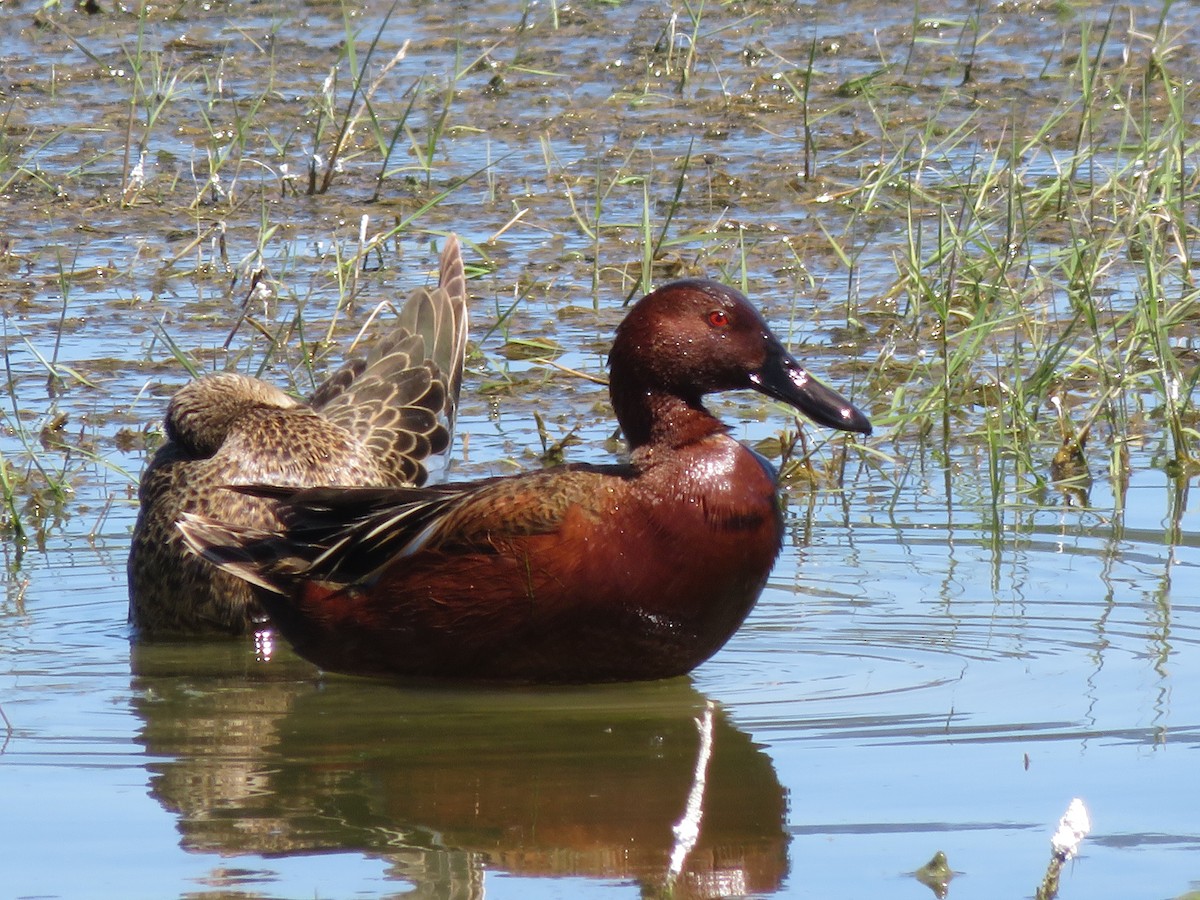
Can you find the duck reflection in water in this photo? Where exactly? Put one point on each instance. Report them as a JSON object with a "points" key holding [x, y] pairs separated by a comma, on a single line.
{"points": [[446, 785]]}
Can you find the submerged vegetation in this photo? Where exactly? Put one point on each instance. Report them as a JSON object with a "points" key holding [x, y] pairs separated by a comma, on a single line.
{"points": [[987, 243]]}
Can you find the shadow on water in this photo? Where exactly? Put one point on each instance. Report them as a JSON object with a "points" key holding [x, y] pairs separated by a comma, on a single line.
{"points": [[263, 760]]}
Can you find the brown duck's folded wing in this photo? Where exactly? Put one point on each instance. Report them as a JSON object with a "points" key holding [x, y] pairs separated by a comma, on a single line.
{"points": [[395, 410], [329, 533], [401, 400], [440, 318], [343, 536], [354, 534]]}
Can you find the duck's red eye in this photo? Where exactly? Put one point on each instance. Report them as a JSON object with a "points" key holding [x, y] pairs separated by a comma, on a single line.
{"points": [[718, 318]]}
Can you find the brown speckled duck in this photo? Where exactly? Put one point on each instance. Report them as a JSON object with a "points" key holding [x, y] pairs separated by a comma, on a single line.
{"points": [[580, 573], [377, 421]]}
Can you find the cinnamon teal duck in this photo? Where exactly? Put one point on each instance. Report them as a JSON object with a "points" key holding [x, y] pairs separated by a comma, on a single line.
{"points": [[381, 419], [582, 573]]}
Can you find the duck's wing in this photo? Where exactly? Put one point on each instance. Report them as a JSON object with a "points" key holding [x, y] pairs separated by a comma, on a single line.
{"points": [[344, 536], [332, 535], [401, 400], [440, 317]]}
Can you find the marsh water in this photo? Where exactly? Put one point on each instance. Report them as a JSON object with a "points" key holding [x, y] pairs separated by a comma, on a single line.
{"points": [[944, 657]]}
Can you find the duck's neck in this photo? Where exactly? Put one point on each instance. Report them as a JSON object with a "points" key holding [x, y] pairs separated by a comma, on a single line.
{"points": [[656, 419]]}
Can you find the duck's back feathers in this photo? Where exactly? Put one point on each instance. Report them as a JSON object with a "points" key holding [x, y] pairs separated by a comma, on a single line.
{"points": [[382, 419]]}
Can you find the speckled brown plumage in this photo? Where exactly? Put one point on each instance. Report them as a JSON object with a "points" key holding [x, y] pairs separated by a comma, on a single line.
{"points": [[381, 419], [578, 573]]}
